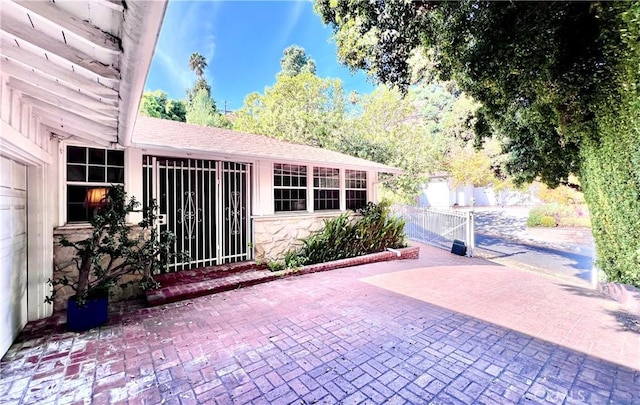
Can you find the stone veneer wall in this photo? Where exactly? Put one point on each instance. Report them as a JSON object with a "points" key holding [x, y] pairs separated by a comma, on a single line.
{"points": [[275, 235], [63, 264]]}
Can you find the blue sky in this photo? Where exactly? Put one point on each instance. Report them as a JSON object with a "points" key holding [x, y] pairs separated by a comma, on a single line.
{"points": [[243, 42]]}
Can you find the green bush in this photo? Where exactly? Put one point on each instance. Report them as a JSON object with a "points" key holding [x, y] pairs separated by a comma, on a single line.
{"points": [[548, 222], [610, 169], [373, 230], [535, 219]]}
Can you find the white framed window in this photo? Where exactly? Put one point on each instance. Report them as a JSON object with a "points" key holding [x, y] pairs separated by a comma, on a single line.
{"points": [[88, 168], [356, 189], [289, 187], [326, 188]]}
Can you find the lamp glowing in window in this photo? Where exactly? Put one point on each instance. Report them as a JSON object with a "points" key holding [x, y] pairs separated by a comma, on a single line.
{"points": [[97, 197]]}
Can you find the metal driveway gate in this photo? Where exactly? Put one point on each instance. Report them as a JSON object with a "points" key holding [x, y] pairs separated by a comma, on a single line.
{"points": [[205, 204], [438, 227]]}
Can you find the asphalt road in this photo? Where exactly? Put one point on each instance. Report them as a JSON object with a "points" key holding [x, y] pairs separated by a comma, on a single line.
{"points": [[502, 236]]}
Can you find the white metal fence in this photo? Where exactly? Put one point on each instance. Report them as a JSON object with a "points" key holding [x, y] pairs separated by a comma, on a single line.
{"points": [[438, 227]]}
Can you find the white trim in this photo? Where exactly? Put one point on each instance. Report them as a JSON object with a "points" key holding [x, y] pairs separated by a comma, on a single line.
{"points": [[140, 33], [62, 176], [14, 142]]}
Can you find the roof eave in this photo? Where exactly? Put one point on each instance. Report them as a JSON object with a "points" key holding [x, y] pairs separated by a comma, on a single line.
{"points": [[140, 34], [257, 156]]}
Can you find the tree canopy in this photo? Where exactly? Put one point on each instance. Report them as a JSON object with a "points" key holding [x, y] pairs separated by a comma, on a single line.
{"points": [[157, 104], [295, 61], [559, 82], [302, 108], [201, 111]]}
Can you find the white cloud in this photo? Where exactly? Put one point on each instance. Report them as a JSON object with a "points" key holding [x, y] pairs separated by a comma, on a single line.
{"points": [[292, 21]]}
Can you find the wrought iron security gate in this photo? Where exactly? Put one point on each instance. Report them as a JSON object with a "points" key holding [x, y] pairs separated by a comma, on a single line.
{"points": [[205, 204]]}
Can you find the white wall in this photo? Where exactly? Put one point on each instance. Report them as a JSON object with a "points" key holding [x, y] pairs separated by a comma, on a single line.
{"points": [[437, 194], [24, 140]]}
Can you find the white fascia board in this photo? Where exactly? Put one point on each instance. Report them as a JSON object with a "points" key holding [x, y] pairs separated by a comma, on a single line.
{"points": [[140, 34]]}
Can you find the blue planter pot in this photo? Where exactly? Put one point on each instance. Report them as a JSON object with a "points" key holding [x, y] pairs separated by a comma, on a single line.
{"points": [[94, 313]]}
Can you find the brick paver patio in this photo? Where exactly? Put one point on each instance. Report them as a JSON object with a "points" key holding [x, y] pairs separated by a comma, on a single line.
{"points": [[442, 329]]}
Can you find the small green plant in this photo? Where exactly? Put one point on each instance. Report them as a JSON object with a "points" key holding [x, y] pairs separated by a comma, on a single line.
{"points": [[548, 222], [275, 265], [535, 219], [294, 261], [114, 250]]}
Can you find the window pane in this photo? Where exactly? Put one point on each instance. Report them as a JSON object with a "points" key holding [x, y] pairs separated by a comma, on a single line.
{"points": [[77, 194], [289, 183], [326, 199], [96, 173], [76, 210], [76, 154], [356, 199], [90, 165], [76, 173], [115, 158], [77, 213], [97, 156], [115, 175]]}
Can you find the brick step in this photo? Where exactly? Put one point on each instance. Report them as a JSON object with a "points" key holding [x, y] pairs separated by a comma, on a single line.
{"points": [[207, 273], [211, 280], [194, 289]]}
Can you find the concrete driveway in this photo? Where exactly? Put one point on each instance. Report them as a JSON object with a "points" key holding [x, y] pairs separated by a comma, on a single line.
{"points": [[502, 236], [441, 329]]}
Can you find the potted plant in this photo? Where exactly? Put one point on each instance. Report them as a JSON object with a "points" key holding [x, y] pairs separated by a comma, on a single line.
{"points": [[113, 250]]}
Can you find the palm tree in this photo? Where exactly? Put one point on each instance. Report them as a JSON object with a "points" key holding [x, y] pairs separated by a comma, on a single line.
{"points": [[197, 63]]}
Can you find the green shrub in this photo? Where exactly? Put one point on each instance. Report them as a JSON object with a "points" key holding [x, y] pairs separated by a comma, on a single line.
{"points": [[275, 265], [373, 230], [610, 168], [548, 222], [535, 219]]}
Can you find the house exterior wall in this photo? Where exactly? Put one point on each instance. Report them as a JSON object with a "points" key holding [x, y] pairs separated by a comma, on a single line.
{"points": [[274, 235], [24, 140]]}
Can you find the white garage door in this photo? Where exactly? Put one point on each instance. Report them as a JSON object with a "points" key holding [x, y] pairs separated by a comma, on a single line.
{"points": [[13, 250]]}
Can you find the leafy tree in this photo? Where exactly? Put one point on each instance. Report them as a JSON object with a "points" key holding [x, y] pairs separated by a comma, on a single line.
{"points": [[559, 80], [295, 61], [156, 104], [201, 111], [176, 110], [303, 108], [390, 130], [201, 84], [197, 63]]}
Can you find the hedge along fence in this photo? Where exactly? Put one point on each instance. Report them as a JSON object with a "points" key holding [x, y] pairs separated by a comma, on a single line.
{"points": [[610, 169]]}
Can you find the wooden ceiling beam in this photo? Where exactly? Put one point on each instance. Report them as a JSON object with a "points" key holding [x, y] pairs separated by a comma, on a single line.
{"points": [[14, 70], [50, 46], [48, 13], [76, 134], [31, 91], [11, 51], [67, 121]]}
